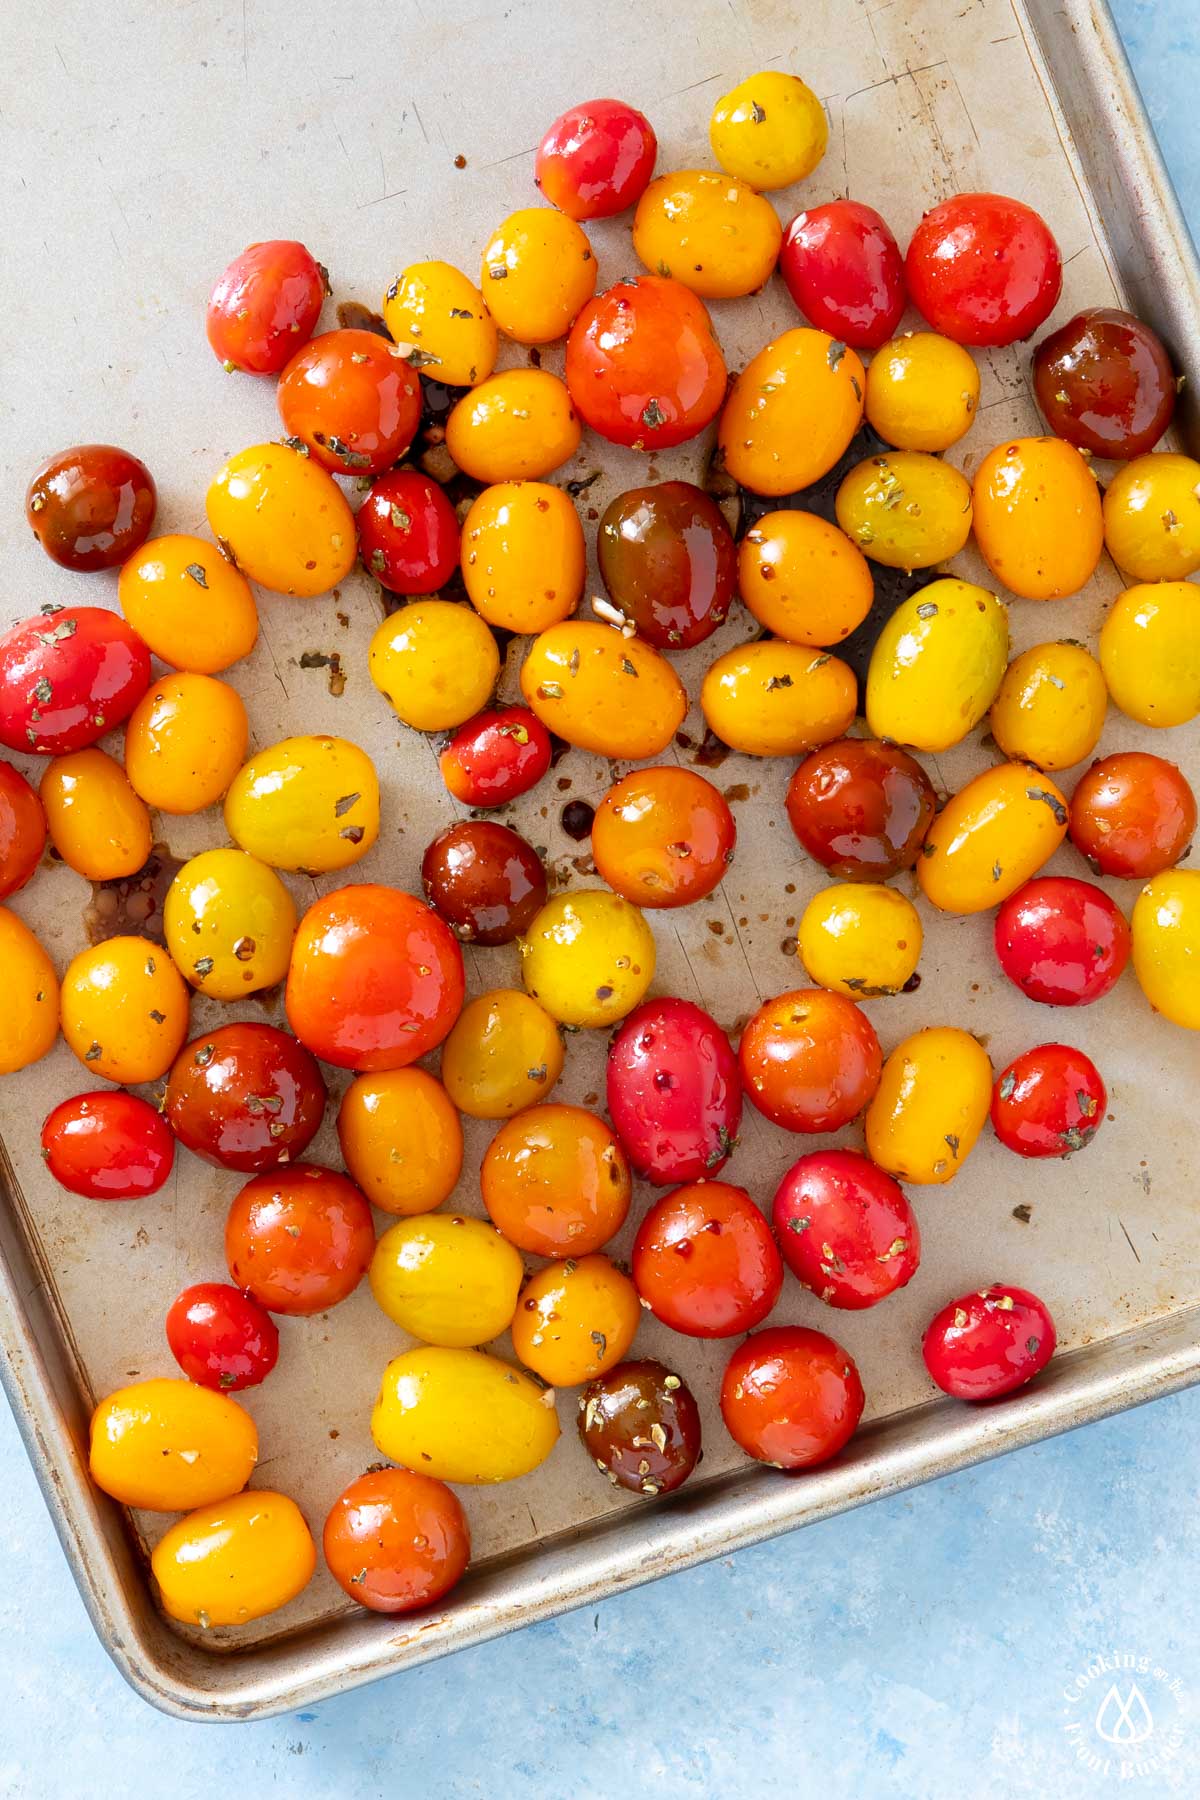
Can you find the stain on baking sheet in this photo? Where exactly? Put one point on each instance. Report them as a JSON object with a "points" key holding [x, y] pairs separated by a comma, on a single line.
{"points": [[133, 904]]}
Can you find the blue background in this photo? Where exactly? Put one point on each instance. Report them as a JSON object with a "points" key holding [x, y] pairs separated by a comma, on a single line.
{"points": [[917, 1648]]}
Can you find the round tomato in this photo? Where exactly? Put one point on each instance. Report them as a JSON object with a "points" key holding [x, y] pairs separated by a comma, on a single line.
{"points": [[190, 605], [930, 1105], [22, 830], [1050, 1101], [538, 271], [712, 232], [588, 957], [484, 880], [843, 268], [125, 1010], [1152, 517], [515, 426], [1061, 941], [1133, 815], [846, 1229], [91, 506], [640, 1425], [674, 1092], [1150, 652], [595, 159], [860, 938], [512, 529], [922, 391], [668, 561], [229, 924], [396, 1541], [401, 1140], [803, 579], [245, 1097], [168, 1445], [907, 510], [352, 398], [861, 808], [810, 1060], [496, 757], [769, 130], [236, 1561], [983, 269], [663, 837], [1105, 383], [603, 692], [408, 534], [108, 1146], [987, 1343], [184, 743], [791, 1397], [1038, 521], [308, 803], [792, 412], [439, 316], [222, 1338], [67, 676], [299, 1240], [1051, 705], [705, 1262], [435, 663], [29, 1020], [643, 366], [447, 1279], [504, 1053], [575, 1320], [265, 305], [282, 519], [555, 1181]]}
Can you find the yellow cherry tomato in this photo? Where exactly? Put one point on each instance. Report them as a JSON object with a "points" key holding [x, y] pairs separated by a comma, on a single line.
{"points": [[125, 1010], [167, 1446], [574, 1320], [1038, 521], [990, 838], [447, 1279], [803, 579], [1166, 945], [1051, 705], [284, 519], [1152, 517], [463, 1416], [503, 1053], [772, 698], [538, 271], [613, 695], [308, 803], [401, 1140], [234, 1561], [229, 924], [523, 556], [907, 509], [435, 663], [792, 412], [435, 307], [922, 391], [189, 604], [770, 130], [96, 822], [588, 957], [712, 232], [516, 426], [1150, 652], [185, 742], [29, 1016], [937, 665], [930, 1105], [860, 938]]}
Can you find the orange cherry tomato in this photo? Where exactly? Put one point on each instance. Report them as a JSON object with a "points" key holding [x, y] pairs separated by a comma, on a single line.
{"points": [[663, 836], [235, 1561], [185, 742], [353, 399], [538, 270], [98, 825], [643, 365], [555, 1181], [523, 555], [515, 426], [29, 1016], [613, 695], [395, 1540], [167, 1445], [125, 1010], [792, 412], [189, 604], [705, 1261], [803, 578], [1038, 518], [810, 1060], [401, 1140], [575, 1320], [300, 1239]]}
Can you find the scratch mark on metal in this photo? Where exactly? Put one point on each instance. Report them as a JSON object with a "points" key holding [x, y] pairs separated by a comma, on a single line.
{"points": [[1129, 1240]]}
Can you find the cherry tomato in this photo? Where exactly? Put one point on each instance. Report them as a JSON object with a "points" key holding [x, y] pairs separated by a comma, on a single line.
{"points": [[496, 757], [245, 1097], [230, 1563], [401, 1140], [1133, 815], [668, 561], [810, 1060], [97, 824], [538, 271], [772, 698], [596, 159], [376, 979], [704, 1261], [1051, 705], [435, 663], [447, 1279], [1150, 652], [907, 510], [555, 1181], [352, 398], [922, 391], [229, 924], [1166, 945], [185, 742], [990, 838], [861, 808], [22, 830], [1152, 517], [265, 305], [1062, 942], [1050, 1101], [710, 231], [408, 534], [860, 938], [484, 880], [803, 579], [29, 1019], [189, 604], [937, 665], [463, 1415], [792, 412], [640, 1425], [283, 520], [663, 837], [843, 268], [588, 957], [603, 692], [575, 1320], [1038, 521], [515, 426], [222, 1338], [299, 1240], [770, 130], [674, 1092], [791, 1397], [987, 1343], [107, 1146], [91, 506], [515, 528], [930, 1105], [440, 317], [643, 366], [309, 803], [166, 1445], [125, 1010], [67, 676], [396, 1541], [503, 1054], [1105, 383], [845, 1229], [983, 269]]}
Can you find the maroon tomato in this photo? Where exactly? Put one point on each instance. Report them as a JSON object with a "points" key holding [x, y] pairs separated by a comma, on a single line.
{"points": [[91, 506], [668, 560], [352, 398], [299, 1240], [791, 1397], [643, 366], [67, 676], [674, 1092], [984, 269], [861, 808], [1061, 941], [595, 159], [484, 880], [22, 830], [704, 1261], [1133, 815], [988, 1343], [810, 1060], [1105, 383], [408, 535], [107, 1145], [496, 757], [222, 1338], [1049, 1102], [844, 270], [245, 1097], [846, 1229], [265, 306], [640, 1424]]}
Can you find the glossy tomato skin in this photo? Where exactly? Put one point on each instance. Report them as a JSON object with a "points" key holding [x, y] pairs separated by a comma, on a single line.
{"points": [[846, 1229], [1133, 815], [222, 1338], [988, 1343], [640, 1425], [704, 1261], [245, 1097], [395, 1540], [861, 808], [300, 1239], [668, 560], [810, 1060], [91, 506], [265, 306], [643, 366], [1063, 942], [1105, 383], [22, 830], [595, 159], [1050, 1101], [983, 269], [496, 757], [108, 1145], [663, 837], [353, 399], [791, 1397], [408, 535], [843, 268], [674, 1092], [67, 677], [484, 880]]}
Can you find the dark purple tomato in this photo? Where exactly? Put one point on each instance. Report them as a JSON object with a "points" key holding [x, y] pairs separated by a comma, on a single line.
{"points": [[408, 535], [109, 1145], [861, 808], [1062, 941], [91, 506], [1050, 1101], [67, 676], [1105, 383], [668, 560], [846, 1229], [496, 756], [674, 1092], [640, 1425], [245, 1097], [844, 270], [221, 1338], [987, 1343], [484, 880]]}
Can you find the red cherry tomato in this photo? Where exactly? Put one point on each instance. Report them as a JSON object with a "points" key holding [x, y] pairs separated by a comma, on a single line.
{"points": [[1061, 941], [988, 1343], [674, 1092], [643, 366], [496, 757], [983, 269], [222, 1338], [299, 1240], [265, 306], [108, 1145], [91, 506], [1049, 1102], [810, 1060], [408, 535], [22, 830], [246, 1097], [353, 399], [595, 159], [1133, 815], [704, 1261], [846, 1229], [396, 1540], [67, 676], [791, 1397], [843, 268]]}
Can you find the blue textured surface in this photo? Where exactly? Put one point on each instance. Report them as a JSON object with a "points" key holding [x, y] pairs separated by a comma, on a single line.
{"points": [[922, 1647]]}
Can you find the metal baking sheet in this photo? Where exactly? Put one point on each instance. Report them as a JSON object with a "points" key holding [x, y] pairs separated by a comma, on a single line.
{"points": [[144, 150]]}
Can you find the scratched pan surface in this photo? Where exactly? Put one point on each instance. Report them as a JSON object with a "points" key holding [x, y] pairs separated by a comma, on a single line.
{"points": [[145, 150]]}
